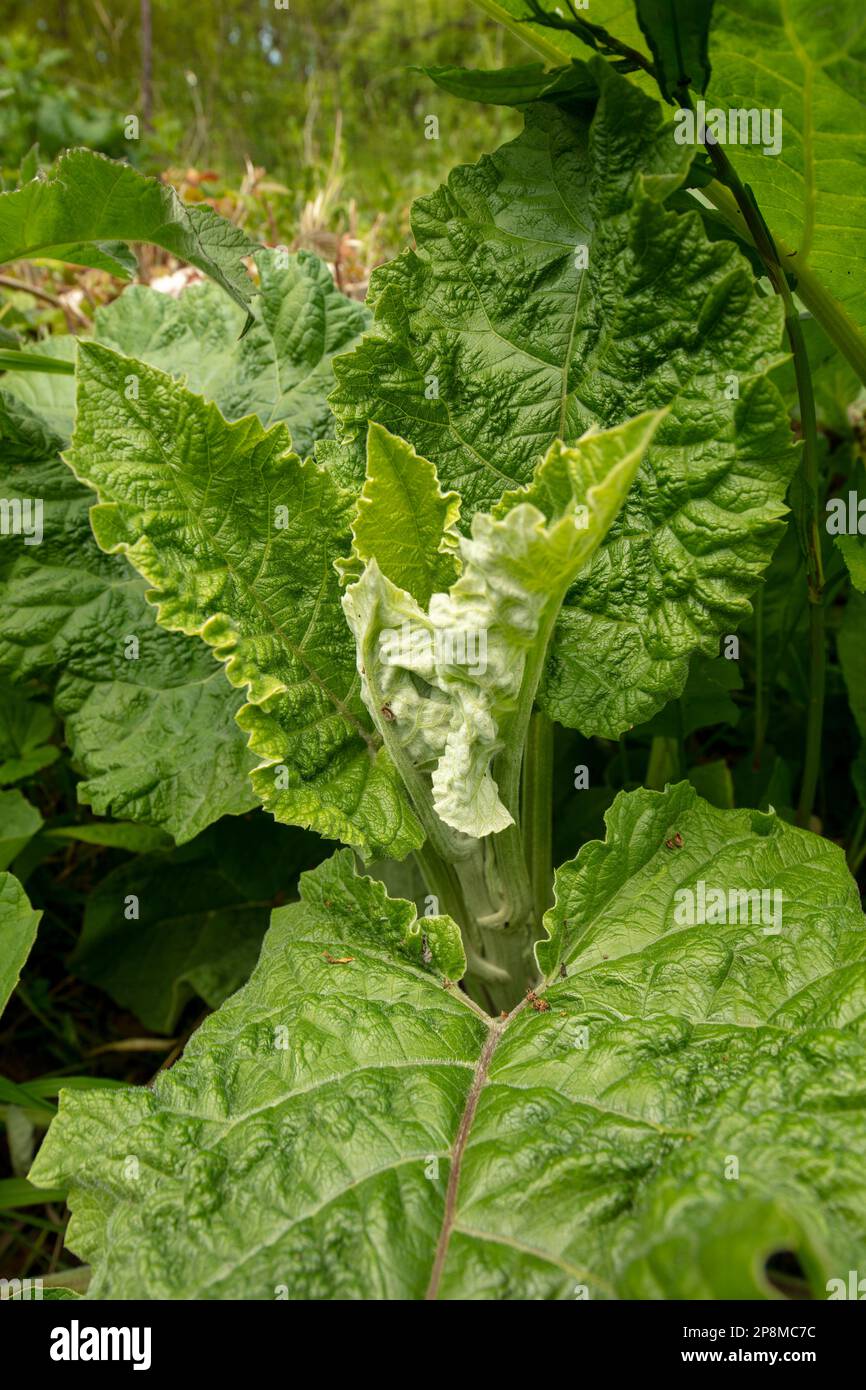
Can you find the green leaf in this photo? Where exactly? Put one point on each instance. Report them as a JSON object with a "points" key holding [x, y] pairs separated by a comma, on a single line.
{"points": [[19, 822], [771, 55], [18, 1192], [25, 727], [677, 32], [18, 920], [201, 912], [137, 839], [450, 687], [34, 362], [154, 734], [238, 538], [91, 201], [491, 341], [281, 369], [405, 520], [345, 1128], [515, 86]]}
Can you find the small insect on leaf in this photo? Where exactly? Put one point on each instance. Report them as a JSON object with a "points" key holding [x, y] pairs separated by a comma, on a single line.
{"points": [[388, 713], [337, 960], [675, 842], [426, 953], [540, 1006]]}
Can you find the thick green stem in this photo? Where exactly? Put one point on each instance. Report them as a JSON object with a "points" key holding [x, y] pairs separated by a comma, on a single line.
{"points": [[537, 813]]}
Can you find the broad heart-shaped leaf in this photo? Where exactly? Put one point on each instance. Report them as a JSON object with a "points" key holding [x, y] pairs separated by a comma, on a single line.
{"points": [[491, 341], [18, 923], [773, 56], [345, 1127], [91, 201], [450, 687], [202, 911], [238, 538], [19, 822], [151, 726]]}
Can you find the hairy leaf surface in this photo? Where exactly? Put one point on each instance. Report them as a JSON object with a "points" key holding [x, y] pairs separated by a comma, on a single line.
{"points": [[153, 733], [345, 1127], [238, 538]]}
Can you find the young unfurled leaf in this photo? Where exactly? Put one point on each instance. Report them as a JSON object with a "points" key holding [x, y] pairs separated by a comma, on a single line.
{"points": [[18, 923], [450, 686], [91, 202], [509, 328], [361, 1132], [238, 538]]}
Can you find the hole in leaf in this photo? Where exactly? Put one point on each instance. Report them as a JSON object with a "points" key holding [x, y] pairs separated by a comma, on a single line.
{"points": [[784, 1271]]}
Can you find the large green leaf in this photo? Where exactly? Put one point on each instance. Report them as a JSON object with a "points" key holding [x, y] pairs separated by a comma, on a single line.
{"points": [[681, 1106], [18, 923], [238, 538], [491, 341], [91, 201], [779, 56], [197, 922], [281, 369], [152, 727]]}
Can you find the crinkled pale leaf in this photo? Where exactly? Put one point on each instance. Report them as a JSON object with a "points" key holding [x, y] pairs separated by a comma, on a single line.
{"points": [[90, 201], [446, 685], [19, 822], [238, 538], [491, 340], [201, 913], [150, 725], [25, 728], [345, 1127], [18, 923]]}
